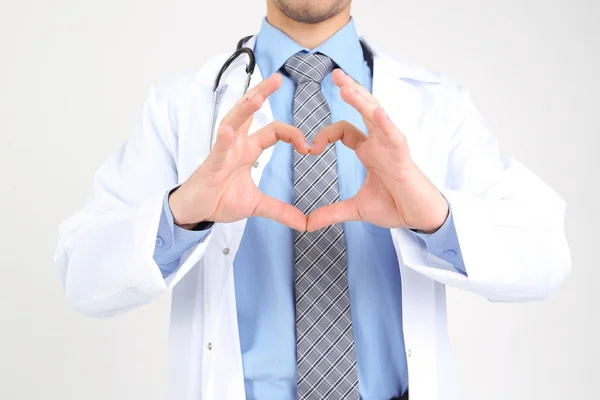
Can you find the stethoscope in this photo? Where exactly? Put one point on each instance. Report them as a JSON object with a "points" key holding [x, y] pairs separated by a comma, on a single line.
{"points": [[241, 50]]}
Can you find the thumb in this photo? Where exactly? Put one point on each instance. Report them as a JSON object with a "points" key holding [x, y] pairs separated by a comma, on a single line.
{"points": [[342, 211], [284, 213]]}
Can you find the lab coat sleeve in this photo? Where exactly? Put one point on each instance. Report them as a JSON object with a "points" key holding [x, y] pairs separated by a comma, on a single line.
{"points": [[105, 251], [509, 223], [172, 241]]}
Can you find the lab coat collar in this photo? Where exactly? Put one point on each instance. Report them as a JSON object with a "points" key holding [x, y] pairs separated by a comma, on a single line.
{"points": [[399, 67]]}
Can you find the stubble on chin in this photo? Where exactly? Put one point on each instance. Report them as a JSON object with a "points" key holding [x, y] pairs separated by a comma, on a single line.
{"points": [[309, 15]]}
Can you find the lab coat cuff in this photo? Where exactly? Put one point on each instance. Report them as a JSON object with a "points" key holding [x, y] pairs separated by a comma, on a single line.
{"points": [[444, 243]]}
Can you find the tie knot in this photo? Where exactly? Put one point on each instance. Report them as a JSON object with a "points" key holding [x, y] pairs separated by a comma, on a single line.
{"points": [[308, 67]]}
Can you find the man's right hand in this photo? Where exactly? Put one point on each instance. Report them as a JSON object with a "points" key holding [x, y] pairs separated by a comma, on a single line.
{"points": [[221, 189]]}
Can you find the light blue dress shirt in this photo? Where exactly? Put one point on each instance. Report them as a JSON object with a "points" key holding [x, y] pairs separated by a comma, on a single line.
{"points": [[264, 263]]}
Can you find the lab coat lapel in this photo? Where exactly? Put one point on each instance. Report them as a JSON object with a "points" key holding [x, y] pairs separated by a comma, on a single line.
{"points": [[233, 84], [399, 89], [397, 86], [403, 102], [219, 293], [232, 92]]}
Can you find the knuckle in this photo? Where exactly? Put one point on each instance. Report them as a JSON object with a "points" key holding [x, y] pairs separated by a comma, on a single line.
{"points": [[252, 105], [345, 125], [401, 138], [222, 129], [258, 99]]}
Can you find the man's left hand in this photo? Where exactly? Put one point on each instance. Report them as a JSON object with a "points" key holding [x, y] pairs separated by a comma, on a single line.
{"points": [[395, 192]]}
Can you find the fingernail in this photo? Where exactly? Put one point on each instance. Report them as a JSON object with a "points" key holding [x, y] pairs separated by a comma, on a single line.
{"points": [[385, 114]]}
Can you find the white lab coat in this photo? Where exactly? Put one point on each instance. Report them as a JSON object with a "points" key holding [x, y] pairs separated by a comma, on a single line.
{"points": [[509, 225]]}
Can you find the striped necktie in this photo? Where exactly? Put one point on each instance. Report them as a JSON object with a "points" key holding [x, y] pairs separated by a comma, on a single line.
{"points": [[324, 343]]}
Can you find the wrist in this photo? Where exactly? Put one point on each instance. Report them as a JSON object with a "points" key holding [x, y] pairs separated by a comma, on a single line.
{"points": [[439, 215], [426, 207], [184, 208]]}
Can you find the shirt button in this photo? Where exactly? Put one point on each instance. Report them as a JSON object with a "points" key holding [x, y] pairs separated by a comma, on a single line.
{"points": [[159, 241], [256, 164], [209, 346], [226, 251], [450, 253]]}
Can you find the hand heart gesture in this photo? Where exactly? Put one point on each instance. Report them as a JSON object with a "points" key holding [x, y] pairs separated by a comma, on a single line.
{"points": [[222, 189], [395, 192]]}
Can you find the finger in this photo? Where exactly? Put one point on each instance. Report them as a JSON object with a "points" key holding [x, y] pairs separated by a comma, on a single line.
{"points": [[356, 95], [218, 156], [276, 131], [225, 138], [251, 102], [340, 78], [331, 214], [246, 125], [281, 212], [350, 136], [387, 127], [358, 101], [267, 86]]}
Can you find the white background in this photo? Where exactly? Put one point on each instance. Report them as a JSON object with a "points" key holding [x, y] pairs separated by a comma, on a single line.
{"points": [[74, 73]]}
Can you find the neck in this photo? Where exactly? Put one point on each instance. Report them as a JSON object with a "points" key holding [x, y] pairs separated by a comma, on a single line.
{"points": [[307, 35]]}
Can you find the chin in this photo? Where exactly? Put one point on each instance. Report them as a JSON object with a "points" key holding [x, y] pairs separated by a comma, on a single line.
{"points": [[311, 11]]}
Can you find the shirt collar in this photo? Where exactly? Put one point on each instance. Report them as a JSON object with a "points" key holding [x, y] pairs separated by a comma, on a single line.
{"points": [[273, 48]]}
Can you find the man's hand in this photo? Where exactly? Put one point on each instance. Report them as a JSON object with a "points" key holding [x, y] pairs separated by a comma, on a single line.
{"points": [[395, 192], [221, 189]]}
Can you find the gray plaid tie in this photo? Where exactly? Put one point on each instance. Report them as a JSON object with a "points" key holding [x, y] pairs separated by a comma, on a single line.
{"points": [[324, 343]]}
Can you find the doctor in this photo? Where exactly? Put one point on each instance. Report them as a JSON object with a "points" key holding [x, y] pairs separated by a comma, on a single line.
{"points": [[309, 249]]}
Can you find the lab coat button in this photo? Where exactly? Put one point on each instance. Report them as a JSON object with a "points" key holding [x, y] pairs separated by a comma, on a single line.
{"points": [[209, 346], [226, 251], [450, 253], [159, 241], [408, 352]]}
